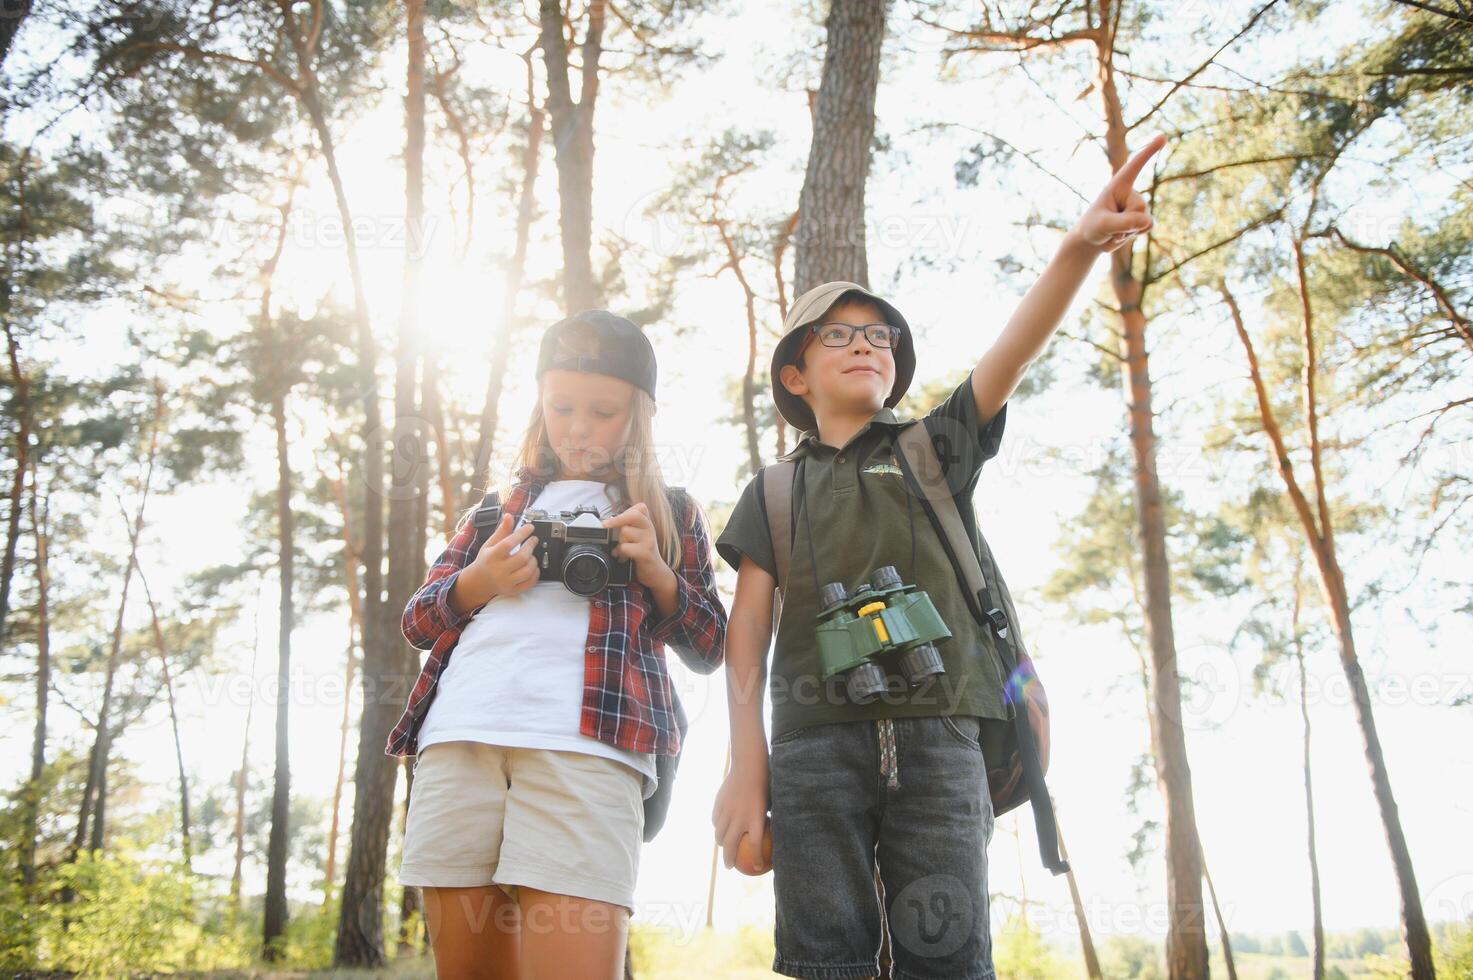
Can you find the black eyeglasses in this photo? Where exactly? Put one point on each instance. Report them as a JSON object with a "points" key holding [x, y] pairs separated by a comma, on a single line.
{"points": [[840, 334]]}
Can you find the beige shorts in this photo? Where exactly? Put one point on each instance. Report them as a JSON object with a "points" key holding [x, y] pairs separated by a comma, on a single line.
{"points": [[561, 822]]}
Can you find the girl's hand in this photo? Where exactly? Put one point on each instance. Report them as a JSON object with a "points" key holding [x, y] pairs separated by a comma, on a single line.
{"points": [[638, 544], [1119, 213], [496, 571]]}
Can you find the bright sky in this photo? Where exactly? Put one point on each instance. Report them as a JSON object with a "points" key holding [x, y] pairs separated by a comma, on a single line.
{"points": [[1244, 749]]}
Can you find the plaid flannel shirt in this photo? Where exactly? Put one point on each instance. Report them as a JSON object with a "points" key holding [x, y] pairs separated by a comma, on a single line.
{"points": [[628, 699]]}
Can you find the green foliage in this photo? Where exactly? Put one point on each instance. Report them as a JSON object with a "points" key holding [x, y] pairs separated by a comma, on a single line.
{"points": [[1131, 958], [663, 952], [1020, 953], [125, 917], [1454, 955]]}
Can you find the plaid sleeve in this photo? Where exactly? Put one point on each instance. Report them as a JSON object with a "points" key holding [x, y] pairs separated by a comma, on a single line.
{"points": [[697, 627], [428, 613]]}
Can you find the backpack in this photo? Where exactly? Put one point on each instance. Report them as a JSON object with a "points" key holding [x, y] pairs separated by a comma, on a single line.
{"points": [[657, 805], [1016, 756]]}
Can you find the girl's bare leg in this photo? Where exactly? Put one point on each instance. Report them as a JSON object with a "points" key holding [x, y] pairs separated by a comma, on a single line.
{"points": [[563, 936], [475, 932]]}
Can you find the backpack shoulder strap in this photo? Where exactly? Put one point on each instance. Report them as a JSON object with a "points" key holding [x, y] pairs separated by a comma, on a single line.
{"points": [[925, 473], [777, 500], [923, 470]]}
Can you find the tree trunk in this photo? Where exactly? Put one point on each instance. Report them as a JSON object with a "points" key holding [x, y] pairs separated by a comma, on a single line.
{"points": [[1086, 941], [1320, 537], [276, 853], [516, 270], [572, 138], [97, 760], [780, 247], [99, 823], [1222, 927], [22, 402], [434, 411], [831, 230], [163, 651], [1186, 938], [409, 903], [360, 919], [330, 870], [14, 14], [409, 479], [749, 376], [240, 775], [355, 632], [32, 799], [1314, 860]]}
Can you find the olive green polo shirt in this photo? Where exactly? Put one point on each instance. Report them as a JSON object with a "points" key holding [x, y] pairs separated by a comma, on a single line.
{"points": [[853, 513]]}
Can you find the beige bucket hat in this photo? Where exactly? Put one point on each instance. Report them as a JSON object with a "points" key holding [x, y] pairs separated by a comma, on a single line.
{"points": [[811, 308]]}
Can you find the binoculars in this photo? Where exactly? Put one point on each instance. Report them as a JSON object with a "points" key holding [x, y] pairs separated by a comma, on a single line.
{"points": [[884, 617]]}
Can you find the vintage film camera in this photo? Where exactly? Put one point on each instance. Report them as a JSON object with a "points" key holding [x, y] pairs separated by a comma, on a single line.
{"points": [[578, 555], [884, 617]]}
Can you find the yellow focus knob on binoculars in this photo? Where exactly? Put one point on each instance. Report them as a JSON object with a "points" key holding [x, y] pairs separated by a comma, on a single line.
{"points": [[879, 625]]}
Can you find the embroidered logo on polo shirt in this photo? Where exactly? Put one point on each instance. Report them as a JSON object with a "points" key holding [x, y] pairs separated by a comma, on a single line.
{"points": [[889, 467]]}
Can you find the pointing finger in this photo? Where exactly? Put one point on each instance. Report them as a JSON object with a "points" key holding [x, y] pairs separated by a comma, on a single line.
{"points": [[1124, 179]]}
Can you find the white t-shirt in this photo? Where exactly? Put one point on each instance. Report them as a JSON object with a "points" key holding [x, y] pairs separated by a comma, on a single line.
{"points": [[517, 672]]}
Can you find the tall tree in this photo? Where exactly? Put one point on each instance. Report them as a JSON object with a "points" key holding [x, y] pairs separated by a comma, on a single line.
{"points": [[830, 235], [11, 16], [1318, 528], [1397, 308], [652, 43], [409, 480], [572, 136]]}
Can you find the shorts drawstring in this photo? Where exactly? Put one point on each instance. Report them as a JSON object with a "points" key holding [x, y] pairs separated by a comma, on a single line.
{"points": [[889, 768]]}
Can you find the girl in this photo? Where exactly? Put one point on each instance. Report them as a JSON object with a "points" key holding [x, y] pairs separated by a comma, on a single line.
{"points": [[536, 742]]}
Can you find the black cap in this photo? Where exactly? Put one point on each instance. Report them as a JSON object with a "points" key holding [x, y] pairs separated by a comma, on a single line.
{"points": [[623, 351]]}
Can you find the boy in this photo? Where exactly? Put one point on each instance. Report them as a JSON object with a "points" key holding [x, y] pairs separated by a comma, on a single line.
{"points": [[896, 781]]}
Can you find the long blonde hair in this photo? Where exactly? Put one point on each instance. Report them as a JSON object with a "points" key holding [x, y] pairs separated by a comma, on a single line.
{"points": [[640, 478]]}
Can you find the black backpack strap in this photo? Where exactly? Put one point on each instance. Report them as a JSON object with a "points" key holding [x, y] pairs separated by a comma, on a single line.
{"points": [[777, 499], [923, 471]]}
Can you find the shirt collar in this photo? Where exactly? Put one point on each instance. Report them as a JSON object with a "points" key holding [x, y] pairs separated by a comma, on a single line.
{"points": [[808, 440]]}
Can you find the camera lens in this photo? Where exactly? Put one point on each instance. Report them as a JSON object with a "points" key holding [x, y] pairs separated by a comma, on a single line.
{"points": [[585, 570]]}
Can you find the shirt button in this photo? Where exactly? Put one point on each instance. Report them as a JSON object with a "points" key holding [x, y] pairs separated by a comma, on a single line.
{"points": [[593, 649], [841, 459], [598, 603]]}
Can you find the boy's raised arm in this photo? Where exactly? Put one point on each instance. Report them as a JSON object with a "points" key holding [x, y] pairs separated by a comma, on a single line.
{"points": [[1116, 216]]}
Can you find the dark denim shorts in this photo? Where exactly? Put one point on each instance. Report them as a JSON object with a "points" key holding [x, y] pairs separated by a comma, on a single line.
{"points": [[909, 795]]}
